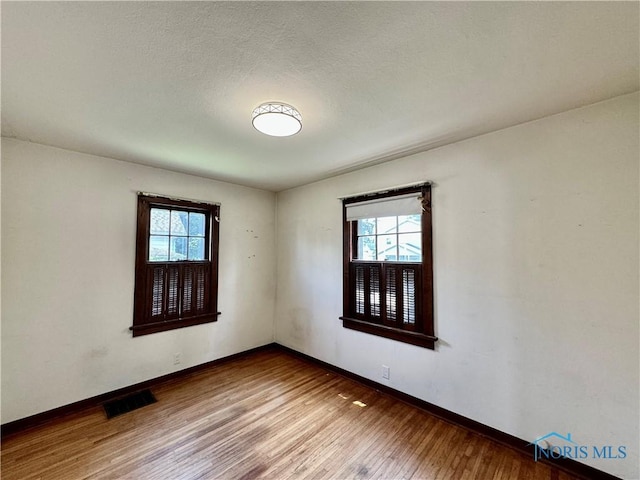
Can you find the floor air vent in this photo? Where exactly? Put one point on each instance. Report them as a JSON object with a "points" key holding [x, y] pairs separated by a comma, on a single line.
{"points": [[128, 403]]}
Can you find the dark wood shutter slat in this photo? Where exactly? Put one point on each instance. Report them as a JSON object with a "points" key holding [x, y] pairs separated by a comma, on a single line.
{"points": [[399, 298], [172, 291], [374, 290], [187, 289], [367, 296], [359, 289], [207, 287], [409, 296], [391, 295], [201, 289], [157, 292]]}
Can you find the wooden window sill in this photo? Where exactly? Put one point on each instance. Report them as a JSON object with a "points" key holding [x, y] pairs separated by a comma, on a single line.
{"points": [[413, 338], [148, 328]]}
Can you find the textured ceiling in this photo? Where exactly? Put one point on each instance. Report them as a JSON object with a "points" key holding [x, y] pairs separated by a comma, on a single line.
{"points": [[173, 84]]}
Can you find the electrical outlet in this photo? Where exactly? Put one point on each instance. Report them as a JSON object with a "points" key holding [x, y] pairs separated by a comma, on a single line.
{"points": [[385, 372], [176, 358]]}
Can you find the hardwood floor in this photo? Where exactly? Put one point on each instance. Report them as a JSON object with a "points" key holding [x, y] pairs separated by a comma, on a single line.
{"points": [[267, 415]]}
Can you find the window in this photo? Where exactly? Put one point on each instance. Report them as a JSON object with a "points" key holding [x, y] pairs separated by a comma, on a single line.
{"points": [[388, 273], [176, 264]]}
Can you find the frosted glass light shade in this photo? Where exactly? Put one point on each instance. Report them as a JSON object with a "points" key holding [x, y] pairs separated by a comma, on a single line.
{"points": [[277, 119]]}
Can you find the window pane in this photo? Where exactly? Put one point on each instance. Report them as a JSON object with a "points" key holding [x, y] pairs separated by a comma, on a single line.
{"points": [[367, 226], [179, 222], [388, 248], [196, 224], [196, 248], [178, 248], [409, 223], [387, 225], [159, 222], [410, 247], [367, 248], [158, 248]]}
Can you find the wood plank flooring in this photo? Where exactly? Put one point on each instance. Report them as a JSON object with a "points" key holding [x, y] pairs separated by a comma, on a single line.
{"points": [[268, 415]]}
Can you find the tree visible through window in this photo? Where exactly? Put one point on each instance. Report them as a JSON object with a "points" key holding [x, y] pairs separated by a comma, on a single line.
{"points": [[387, 265], [176, 264]]}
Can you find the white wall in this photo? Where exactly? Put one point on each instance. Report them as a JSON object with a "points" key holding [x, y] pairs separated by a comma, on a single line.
{"points": [[68, 248], [536, 278]]}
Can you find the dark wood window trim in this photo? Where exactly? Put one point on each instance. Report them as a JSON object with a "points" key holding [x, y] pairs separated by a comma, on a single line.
{"points": [[421, 332], [175, 294]]}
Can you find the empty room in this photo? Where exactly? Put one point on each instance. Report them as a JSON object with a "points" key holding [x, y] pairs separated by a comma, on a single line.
{"points": [[320, 240]]}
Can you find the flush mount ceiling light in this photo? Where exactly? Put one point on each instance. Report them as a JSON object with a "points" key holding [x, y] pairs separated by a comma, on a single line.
{"points": [[277, 119]]}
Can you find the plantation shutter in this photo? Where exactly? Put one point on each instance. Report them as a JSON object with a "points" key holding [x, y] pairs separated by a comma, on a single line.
{"points": [[178, 290], [387, 293]]}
